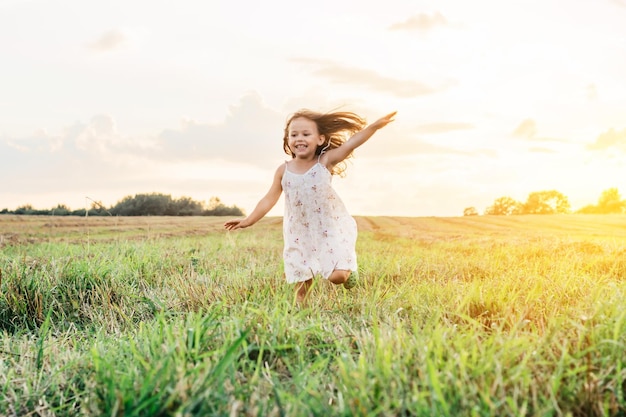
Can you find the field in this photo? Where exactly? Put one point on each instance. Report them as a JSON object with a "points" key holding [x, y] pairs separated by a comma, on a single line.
{"points": [[467, 316]]}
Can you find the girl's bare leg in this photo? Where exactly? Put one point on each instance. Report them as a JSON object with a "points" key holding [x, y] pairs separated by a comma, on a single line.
{"points": [[339, 276], [302, 290]]}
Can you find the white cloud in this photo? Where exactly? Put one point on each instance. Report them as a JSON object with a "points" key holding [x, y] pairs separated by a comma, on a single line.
{"points": [[95, 157], [372, 80], [611, 139], [591, 91], [442, 127], [526, 129], [422, 22], [108, 41], [251, 133], [376, 82]]}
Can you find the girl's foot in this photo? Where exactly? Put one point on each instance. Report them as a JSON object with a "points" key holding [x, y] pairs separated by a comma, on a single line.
{"points": [[302, 291], [339, 276], [352, 280]]}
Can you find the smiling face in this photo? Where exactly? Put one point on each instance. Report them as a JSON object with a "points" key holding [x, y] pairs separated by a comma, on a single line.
{"points": [[303, 138]]}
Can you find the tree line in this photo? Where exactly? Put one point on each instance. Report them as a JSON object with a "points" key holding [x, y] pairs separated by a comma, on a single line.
{"points": [[157, 204], [150, 204], [552, 202]]}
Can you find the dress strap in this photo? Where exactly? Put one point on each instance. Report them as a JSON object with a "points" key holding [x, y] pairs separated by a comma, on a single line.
{"points": [[323, 150]]}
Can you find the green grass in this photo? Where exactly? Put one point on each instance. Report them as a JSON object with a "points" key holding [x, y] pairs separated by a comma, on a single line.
{"points": [[476, 316]]}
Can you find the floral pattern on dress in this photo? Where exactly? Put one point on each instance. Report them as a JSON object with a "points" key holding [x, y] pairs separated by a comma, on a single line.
{"points": [[319, 233]]}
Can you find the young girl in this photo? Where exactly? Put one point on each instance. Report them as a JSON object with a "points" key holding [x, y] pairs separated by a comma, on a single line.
{"points": [[319, 234]]}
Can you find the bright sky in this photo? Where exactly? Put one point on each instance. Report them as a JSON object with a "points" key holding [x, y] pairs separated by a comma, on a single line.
{"points": [[189, 98]]}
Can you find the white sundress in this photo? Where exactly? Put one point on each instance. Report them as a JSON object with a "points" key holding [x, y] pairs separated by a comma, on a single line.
{"points": [[319, 233]]}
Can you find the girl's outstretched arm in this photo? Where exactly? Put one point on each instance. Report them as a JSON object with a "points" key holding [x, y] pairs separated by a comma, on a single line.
{"points": [[334, 156], [263, 206]]}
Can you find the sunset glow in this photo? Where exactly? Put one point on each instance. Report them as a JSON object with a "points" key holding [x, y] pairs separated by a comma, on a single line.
{"points": [[104, 100]]}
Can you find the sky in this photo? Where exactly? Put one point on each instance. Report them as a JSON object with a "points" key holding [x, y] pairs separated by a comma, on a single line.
{"points": [[100, 100]]}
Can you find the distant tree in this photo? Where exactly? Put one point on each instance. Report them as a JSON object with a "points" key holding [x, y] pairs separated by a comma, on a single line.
{"points": [[217, 208], [97, 209], [60, 210], [156, 204], [152, 204], [25, 209], [214, 202], [470, 211], [546, 202], [504, 206], [611, 202], [185, 206], [588, 209]]}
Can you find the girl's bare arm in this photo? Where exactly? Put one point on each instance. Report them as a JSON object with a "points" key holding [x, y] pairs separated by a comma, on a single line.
{"points": [[334, 156], [263, 206]]}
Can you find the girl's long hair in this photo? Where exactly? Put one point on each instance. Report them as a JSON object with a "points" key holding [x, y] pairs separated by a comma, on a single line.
{"points": [[337, 127]]}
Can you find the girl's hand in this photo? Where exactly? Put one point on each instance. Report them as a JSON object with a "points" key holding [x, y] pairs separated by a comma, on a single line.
{"points": [[233, 224], [384, 121]]}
